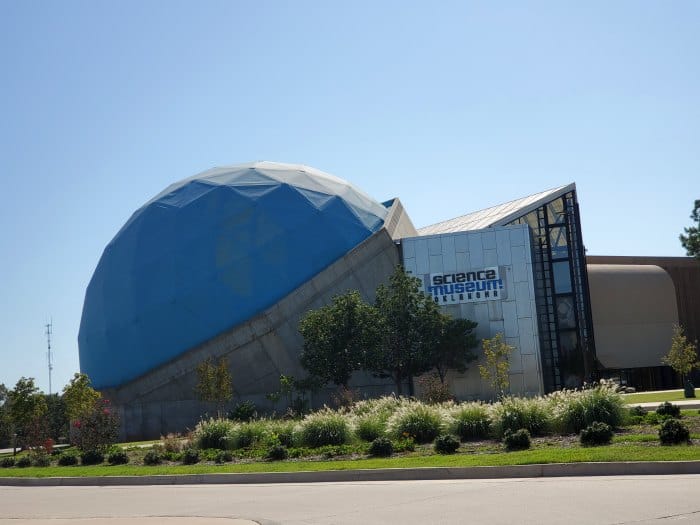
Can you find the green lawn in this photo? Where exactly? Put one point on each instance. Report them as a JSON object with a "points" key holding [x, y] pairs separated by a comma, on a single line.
{"points": [[658, 397], [576, 454]]}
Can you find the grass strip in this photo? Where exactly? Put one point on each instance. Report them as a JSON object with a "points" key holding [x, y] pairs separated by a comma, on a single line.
{"points": [[658, 397], [616, 452]]}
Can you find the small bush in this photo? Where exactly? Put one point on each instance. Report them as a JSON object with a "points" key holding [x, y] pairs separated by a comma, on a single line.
{"points": [[404, 445], [597, 434], [471, 421], [446, 444], [7, 462], [117, 457], [575, 410], [652, 418], [152, 458], [673, 432], [637, 411], [244, 411], [420, 422], [190, 456], [434, 391], [223, 456], [324, 428], [518, 440], [23, 462], [284, 431], [246, 435], [214, 433], [91, 457], [369, 427], [68, 459], [171, 442], [41, 459], [381, 447], [277, 453], [514, 413], [669, 410]]}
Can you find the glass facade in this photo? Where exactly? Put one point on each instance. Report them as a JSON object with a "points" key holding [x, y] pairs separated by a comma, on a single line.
{"points": [[561, 289]]}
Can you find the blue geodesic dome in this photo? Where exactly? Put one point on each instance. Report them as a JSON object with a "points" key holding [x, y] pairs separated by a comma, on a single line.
{"points": [[209, 253]]}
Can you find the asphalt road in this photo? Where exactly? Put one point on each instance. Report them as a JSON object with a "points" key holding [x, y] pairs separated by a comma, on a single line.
{"points": [[612, 500]]}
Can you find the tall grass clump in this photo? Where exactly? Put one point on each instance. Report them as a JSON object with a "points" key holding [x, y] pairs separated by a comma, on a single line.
{"points": [[514, 413], [324, 427], [470, 421], [284, 432], [369, 427], [422, 423], [246, 435], [214, 433], [575, 410]]}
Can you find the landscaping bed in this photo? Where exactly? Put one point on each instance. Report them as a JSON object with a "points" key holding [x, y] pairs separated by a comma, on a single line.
{"points": [[581, 426]]}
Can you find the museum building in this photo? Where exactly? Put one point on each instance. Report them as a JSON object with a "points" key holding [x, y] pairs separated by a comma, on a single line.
{"points": [[226, 263]]}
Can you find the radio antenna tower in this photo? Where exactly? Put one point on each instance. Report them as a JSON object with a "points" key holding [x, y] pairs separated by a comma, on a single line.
{"points": [[49, 356]]}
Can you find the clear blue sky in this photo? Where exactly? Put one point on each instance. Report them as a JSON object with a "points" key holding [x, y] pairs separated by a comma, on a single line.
{"points": [[451, 106]]}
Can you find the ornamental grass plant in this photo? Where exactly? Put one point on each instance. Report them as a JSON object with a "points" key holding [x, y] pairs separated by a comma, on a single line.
{"points": [[515, 413], [471, 421], [423, 423], [325, 427], [575, 410]]}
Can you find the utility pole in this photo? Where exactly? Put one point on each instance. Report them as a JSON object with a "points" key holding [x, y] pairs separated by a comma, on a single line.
{"points": [[49, 357]]}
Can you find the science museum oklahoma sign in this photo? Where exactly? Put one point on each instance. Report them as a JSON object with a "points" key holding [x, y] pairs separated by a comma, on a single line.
{"points": [[465, 287]]}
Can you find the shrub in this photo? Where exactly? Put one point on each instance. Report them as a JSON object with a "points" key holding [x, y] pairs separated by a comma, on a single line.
{"points": [[446, 444], [637, 411], [576, 409], [171, 442], [244, 411], [597, 433], [381, 447], [471, 421], [518, 440], [404, 445], [96, 430], [68, 459], [669, 410], [23, 462], [40, 458], [324, 428], [673, 432], [152, 458], [652, 418], [277, 453], [7, 462], [117, 457], [514, 413], [245, 435], [420, 422], [223, 456], [190, 456], [284, 431], [214, 433], [370, 426], [434, 391], [91, 457]]}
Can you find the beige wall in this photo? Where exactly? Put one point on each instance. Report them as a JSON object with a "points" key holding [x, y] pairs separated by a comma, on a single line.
{"points": [[634, 310]]}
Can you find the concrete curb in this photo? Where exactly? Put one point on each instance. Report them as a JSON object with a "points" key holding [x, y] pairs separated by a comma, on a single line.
{"points": [[635, 468]]}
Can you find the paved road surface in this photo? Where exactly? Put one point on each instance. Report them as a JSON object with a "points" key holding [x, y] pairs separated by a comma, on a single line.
{"points": [[640, 500]]}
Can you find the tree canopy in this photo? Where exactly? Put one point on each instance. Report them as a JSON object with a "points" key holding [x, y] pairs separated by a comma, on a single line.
{"points": [[691, 239], [338, 338], [214, 383], [79, 396], [683, 355]]}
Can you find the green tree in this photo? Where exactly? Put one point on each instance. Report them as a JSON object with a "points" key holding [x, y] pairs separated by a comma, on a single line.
{"points": [[410, 327], [56, 416], [691, 239], [214, 383], [497, 366], [27, 407], [453, 348], [79, 396], [683, 355], [338, 337], [6, 430]]}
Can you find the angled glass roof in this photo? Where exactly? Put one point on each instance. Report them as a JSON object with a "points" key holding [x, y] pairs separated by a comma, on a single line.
{"points": [[498, 215]]}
